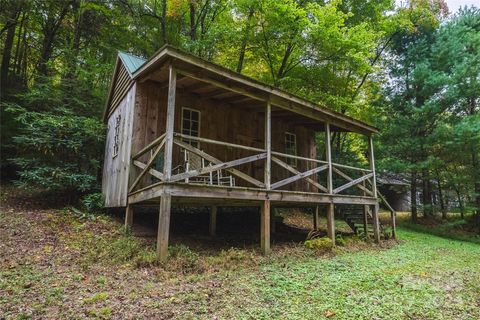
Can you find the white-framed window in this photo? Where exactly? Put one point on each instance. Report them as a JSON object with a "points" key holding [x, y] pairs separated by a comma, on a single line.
{"points": [[291, 148], [191, 125], [116, 137]]}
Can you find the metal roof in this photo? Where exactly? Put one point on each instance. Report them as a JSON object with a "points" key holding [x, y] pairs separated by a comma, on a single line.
{"points": [[131, 62]]}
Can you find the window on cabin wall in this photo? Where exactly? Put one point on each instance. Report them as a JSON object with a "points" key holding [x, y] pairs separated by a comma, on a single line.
{"points": [[291, 148], [116, 137], [191, 125]]}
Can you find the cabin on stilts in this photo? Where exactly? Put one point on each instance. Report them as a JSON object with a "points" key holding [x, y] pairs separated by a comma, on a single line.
{"points": [[185, 131]]}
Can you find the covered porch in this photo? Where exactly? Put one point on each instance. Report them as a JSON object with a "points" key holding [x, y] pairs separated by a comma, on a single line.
{"points": [[250, 167]]}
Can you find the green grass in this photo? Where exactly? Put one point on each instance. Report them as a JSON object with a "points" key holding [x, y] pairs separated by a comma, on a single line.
{"points": [[426, 277], [65, 267]]}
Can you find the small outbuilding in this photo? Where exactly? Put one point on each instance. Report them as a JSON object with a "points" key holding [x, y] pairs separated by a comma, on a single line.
{"points": [[182, 130]]}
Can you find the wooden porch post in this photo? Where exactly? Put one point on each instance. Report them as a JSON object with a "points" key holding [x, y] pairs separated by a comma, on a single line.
{"points": [[268, 145], [265, 227], [365, 220], [163, 227], [330, 206], [213, 221], [376, 222], [128, 218], [316, 218], [172, 84]]}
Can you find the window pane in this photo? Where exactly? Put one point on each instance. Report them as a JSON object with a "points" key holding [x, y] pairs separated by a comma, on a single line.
{"points": [[195, 115]]}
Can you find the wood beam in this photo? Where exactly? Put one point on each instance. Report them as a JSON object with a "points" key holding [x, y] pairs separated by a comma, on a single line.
{"points": [[128, 218], [376, 224], [371, 159], [348, 178], [153, 172], [298, 177], [163, 227], [268, 145], [331, 222], [265, 227], [147, 166], [216, 167], [328, 151], [295, 171], [316, 218], [212, 230], [172, 84], [214, 160], [352, 183]]}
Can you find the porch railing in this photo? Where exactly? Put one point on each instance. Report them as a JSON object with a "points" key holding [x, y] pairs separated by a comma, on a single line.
{"points": [[156, 147]]}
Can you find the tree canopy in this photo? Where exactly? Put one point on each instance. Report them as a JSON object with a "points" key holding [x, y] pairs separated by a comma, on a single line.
{"points": [[412, 70]]}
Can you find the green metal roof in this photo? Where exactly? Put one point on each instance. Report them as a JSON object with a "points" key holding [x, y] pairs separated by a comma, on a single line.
{"points": [[132, 63]]}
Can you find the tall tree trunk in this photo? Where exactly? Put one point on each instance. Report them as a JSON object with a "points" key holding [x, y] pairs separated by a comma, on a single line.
{"points": [[50, 29], [460, 203], [7, 51], [441, 199], [427, 194], [413, 196], [163, 22], [243, 46], [193, 27]]}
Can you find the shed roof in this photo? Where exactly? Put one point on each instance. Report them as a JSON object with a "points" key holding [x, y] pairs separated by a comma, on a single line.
{"points": [[139, 67], [131, 62]]}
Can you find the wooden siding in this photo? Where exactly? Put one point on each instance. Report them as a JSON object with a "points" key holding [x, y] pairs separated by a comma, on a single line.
{"points": [[116, 169], [222, 122], [122, 82]]}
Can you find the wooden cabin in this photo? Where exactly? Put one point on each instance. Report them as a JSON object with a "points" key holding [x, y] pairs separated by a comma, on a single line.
{"points": [[185, 131]]}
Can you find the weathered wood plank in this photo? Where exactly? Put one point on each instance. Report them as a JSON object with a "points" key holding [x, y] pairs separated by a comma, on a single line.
{"points": [[295, 171], [214, 160], [268, 145], [212, 230], [348, 178], [352, 183], [298, 176], [147, 166], [328, 151], [149, 146], [151, 171], [216, 167], [172, 85], [265, 227], [331, 222], [163, 227]]}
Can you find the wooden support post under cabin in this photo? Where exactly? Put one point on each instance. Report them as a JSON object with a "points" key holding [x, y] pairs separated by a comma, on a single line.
{"points": [[128, 218], [365, 214], [331, 222], [376, 224], [274, 214], [265, 227], [268, 145], [330, 206], [163, 227], [316, 217], [365, 220], [213, 221], [172, 84]]}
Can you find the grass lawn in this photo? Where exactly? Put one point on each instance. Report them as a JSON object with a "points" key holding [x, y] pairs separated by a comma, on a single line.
{"points": [[55, 265]]}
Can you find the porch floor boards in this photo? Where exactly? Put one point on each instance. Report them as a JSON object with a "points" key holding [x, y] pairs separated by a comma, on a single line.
{"points": [[197, 194]]}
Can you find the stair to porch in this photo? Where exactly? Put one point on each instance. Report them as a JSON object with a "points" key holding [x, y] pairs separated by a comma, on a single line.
{"points": [[354, 219]]}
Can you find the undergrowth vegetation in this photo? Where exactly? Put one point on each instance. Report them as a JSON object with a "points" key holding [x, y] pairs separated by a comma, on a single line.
{"points": [[62, 265]]}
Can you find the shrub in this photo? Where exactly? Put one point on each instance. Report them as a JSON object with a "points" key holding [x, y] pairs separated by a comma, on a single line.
{"points": [[340, 241], [93, 202], [320, 244]]}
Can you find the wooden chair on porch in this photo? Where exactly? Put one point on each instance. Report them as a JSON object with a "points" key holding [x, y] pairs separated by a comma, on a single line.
{"points": [[196, 162]]}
